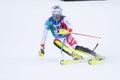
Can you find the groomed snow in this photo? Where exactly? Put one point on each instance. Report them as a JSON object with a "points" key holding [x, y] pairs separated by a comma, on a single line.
{"points": [[21, 26]]}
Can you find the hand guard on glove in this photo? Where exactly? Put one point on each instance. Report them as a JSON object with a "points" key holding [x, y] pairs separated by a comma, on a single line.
{"points": [[64, 31], [42, 52]]}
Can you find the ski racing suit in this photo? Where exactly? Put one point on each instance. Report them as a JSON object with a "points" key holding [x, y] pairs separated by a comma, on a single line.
{"points": [[62, 39]]}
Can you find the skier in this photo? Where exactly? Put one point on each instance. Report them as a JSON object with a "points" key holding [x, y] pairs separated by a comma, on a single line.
{"points": [[60, 28]]}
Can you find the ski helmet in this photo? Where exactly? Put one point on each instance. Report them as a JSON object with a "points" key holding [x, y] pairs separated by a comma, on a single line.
{"points": [[56, 11]]}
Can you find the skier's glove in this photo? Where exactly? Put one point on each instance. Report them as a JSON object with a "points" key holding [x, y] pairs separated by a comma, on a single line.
{"points": [[42, 52], [64, 31]]}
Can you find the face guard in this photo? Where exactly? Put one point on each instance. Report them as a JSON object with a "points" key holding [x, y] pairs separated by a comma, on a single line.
{"points": [[56, 12]]}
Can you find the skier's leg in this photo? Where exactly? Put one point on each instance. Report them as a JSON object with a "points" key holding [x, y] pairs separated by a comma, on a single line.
{"points": [[86, 51], [89, 53], [73, 43], [66, 49]]}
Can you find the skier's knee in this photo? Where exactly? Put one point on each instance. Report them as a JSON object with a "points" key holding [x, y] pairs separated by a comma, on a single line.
{"points": [[56, 42]]}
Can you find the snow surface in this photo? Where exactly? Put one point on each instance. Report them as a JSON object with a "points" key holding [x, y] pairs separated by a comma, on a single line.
{"points": [[21, 26]]}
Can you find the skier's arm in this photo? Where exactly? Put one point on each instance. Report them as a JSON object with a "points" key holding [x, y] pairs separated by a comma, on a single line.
{"points": [[45, 32], [44, 36], [66, 27]]}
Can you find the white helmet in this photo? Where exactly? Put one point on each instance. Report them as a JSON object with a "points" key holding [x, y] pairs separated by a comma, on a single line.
{"points": [[56, 11]]}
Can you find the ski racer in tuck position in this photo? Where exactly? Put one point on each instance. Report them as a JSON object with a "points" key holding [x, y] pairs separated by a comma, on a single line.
{"points": [[60, 28]]}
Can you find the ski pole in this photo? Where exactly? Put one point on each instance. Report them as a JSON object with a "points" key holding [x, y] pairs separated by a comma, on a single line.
{"points": [[86, 35], [62, 46], [95, 46]]}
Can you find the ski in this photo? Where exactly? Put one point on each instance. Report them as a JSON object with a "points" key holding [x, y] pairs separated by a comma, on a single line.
{"points": [[89, 61], [93, 62], [66, 62]]}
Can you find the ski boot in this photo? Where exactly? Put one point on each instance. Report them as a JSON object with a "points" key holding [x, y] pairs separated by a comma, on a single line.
{"points": [[76, 59], [75, 56]]}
